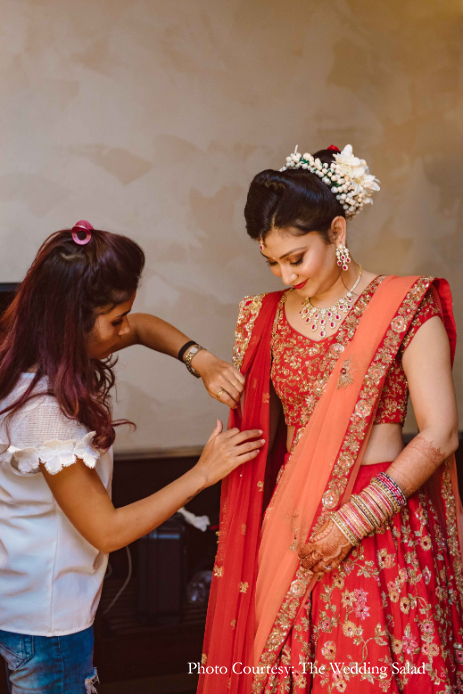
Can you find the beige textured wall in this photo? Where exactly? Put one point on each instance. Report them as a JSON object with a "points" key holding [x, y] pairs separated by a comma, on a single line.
{"points": [[151, 117]]}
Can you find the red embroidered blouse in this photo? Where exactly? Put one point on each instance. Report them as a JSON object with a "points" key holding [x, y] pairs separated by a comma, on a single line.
{"points": [[302, 366]]}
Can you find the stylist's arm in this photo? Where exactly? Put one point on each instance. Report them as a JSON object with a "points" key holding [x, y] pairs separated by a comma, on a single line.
{"points": [[83, 498], [222, 381]]}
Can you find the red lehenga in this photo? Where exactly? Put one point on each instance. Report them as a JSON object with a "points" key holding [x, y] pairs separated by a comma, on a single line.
{"points": [[390, 619]]}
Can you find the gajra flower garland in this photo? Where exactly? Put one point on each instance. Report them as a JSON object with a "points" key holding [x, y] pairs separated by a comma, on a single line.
{"points": [[348, 177]]}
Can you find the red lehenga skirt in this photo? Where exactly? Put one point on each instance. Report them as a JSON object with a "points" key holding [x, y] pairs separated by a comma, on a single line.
{"points": [[387, 621]]}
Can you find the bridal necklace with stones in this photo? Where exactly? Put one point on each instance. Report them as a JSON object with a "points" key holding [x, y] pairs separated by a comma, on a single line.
{"points": [[320, 318]]}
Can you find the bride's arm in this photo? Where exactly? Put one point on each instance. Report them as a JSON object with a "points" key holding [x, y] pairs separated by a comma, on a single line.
{"points": [[157, 334], [426, 363]]}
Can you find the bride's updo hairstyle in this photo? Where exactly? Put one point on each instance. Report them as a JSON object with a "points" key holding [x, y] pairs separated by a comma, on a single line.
{"points": [[309, 192], [295, 198]]}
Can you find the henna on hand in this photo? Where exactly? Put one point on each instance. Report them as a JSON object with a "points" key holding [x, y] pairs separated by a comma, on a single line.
{"points": [[435, 455], [324, 531], [415, 464], [329, 547]]}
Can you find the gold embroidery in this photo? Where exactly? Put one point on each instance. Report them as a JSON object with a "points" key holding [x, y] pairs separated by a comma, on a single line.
{"points": [[248, 312], [218, 571], [203, 659], [452, 528], [280, 472], [363, 407], [233, 624], [330, 499], [293, 546], [243, 528], [260, 486], [297, 358], [429, 307], [369, 393], [244, 587], [282, 624], [339, 477], [345, 376], [398, 324], [301, 367], [343, 602]]}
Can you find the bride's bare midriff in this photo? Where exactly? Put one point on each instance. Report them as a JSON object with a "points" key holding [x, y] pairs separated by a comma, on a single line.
{"points": [[384, 445]]}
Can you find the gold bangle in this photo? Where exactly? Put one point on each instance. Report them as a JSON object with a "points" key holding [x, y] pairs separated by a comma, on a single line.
{"points": [[345, 530], [380, 512], [387, 492], [354, 519], [365, 511], [382, 499]]}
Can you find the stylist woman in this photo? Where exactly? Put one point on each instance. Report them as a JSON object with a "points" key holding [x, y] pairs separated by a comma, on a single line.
{"points": [[57, 522]]}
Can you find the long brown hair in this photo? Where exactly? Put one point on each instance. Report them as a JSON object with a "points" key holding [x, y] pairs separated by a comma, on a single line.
{"points": [[48, 323]]}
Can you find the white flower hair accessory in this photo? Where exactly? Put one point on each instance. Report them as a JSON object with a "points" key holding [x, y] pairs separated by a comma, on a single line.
{"points": [[348, 177]]}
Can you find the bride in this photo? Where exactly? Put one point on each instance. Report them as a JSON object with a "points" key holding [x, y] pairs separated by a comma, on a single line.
{"points": [[339, 563]]}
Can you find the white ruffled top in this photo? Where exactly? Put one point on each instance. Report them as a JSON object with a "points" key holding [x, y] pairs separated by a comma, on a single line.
{"points": [[54, 455], [50, 576]]}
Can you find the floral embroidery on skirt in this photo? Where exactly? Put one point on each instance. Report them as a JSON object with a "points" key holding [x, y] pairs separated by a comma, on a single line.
{"points": [[389, 620]]}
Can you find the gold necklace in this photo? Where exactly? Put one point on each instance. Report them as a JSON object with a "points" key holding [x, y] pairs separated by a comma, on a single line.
{"points": [[319, 317]]}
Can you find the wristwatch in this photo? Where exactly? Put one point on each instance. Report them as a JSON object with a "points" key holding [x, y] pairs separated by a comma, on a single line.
{"points": [[191, 353]]}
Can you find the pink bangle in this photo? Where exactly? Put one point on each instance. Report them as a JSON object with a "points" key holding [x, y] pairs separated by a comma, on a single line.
{"points": [[385, 496], [354, 521], [370, 509], [339, 523], [382, 502], [365, 509], [394, 489], [373, 505]]}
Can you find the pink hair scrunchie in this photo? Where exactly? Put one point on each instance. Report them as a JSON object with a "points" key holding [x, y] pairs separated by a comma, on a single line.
{"points": [[82, 227]]}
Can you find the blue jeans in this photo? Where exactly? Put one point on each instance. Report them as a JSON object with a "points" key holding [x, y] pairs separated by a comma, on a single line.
{"points": [[49, 664]]}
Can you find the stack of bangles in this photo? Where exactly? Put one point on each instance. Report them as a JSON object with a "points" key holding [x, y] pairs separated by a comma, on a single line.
{"points": [[369, 510]]}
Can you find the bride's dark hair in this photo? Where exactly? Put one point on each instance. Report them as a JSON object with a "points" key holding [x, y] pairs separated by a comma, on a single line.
{"points": [[295, 199], [48, 323]]}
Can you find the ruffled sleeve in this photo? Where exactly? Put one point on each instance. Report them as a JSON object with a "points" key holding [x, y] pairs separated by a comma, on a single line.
{"points": [[41, 433], [54, 455]]}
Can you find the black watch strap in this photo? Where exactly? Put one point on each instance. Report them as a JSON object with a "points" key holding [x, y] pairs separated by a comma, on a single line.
{"points": [[181, 353]]}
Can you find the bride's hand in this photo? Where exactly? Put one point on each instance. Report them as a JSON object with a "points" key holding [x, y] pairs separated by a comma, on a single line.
{"points": [[327, 550], [222, 381]]}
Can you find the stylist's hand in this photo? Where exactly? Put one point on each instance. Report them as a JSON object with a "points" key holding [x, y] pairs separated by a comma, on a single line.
{"points": [[225, 450], [222, 381], [327, 550]]}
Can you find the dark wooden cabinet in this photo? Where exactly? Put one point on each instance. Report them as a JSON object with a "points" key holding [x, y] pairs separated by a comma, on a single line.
{"points": [[125, 647]]}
